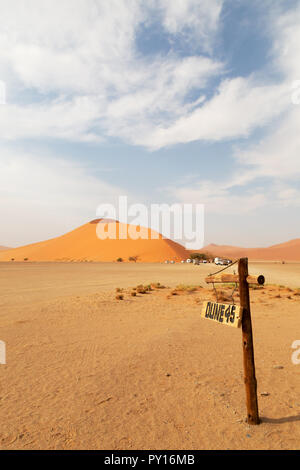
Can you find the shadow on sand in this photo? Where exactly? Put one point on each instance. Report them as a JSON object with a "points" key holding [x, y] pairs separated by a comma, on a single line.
{"points": [[288, 419]]}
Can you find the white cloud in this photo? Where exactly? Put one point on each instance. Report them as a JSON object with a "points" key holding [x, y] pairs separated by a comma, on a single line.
{"points": [[235, 111], [285, 32], [89, 81], [277, 155], [71, 120], [201, 17], [72, 57], [240, 107], [44, 196], [58, 45], [218, 197]]}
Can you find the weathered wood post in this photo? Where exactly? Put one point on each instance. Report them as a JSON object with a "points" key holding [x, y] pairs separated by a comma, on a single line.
{"points": [[248, 350]]}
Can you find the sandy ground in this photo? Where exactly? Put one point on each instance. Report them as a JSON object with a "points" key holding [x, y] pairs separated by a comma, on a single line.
{"points": [[87, 371]]}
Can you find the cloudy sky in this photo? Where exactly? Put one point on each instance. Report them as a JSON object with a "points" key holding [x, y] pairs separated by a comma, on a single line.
{"points": [[165, 101]]}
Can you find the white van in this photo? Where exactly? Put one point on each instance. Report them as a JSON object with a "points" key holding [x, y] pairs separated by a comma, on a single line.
{"points": [[222, 262]]}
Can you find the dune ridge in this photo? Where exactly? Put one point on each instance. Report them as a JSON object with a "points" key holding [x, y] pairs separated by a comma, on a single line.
{"points": [[83, 244], [288, 251]]}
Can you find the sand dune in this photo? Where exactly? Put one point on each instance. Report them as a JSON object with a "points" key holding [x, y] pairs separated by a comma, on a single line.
{"points": [[289, 251], [4, 248], [83, 244]]}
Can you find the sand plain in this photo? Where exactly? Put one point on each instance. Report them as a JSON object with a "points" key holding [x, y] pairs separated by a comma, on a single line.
{"points": [[86, 371]]}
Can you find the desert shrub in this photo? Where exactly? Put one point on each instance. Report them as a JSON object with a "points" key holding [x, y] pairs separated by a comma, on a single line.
{"points": [[187, 288], [141, 289], [25, 259], [120, 260], [157, 285], [200, 256], [133, 258], [133, 294], [119, 297]]}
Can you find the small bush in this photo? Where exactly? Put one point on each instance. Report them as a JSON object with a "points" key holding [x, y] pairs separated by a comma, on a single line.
{"points": [[120, 297], [200, 256], [187, 288], [141, 289], [120, 260], [157, 285]]}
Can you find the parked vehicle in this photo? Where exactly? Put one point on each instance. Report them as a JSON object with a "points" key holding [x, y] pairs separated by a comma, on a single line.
{"points": [[222, 262], [227, 261]]}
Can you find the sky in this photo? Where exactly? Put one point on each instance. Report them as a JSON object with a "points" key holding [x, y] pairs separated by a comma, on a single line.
{"points": [[164, 101]]}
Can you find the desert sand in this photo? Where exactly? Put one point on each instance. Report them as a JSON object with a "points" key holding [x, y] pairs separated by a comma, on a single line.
{"points": [[288, 251], [83, 244], [87, 371]]}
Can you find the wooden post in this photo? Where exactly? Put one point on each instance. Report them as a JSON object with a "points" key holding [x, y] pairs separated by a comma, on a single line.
{"points": [[248, 350]]}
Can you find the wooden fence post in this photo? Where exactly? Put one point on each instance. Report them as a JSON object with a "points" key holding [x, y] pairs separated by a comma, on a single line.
{"points": [[248, 350]]}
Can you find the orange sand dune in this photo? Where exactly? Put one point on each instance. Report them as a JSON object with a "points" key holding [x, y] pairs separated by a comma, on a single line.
{"points": [[83, 244], [4, 248], [289, 251]]}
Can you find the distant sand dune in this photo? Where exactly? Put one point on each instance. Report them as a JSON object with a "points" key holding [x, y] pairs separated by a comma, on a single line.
{"points": [[82, 244], [289, 251]]}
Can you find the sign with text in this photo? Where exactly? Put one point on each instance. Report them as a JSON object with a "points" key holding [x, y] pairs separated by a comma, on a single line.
{"points": [[222, 313]]}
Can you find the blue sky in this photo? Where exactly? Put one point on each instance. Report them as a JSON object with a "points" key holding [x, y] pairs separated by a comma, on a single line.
{"points": [[177, 101]]}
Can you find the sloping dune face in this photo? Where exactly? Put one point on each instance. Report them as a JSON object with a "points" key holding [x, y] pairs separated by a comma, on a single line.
{"points": [[4, 248], [289, 251], [84, 244]]}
